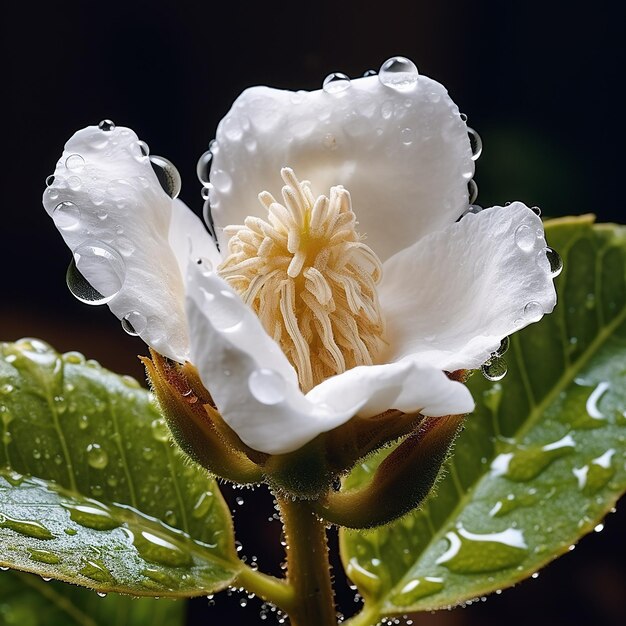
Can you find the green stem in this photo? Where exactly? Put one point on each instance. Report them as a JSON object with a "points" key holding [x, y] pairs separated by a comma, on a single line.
{"points": [[368, 616], [266, 587], [308, 568]]}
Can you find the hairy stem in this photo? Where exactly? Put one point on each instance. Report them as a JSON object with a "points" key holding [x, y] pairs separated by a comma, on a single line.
{"points": [[308, 568]]}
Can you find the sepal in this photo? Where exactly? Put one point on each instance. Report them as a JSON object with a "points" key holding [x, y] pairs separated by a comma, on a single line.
{"points": [[195, 423], [401, 482]]}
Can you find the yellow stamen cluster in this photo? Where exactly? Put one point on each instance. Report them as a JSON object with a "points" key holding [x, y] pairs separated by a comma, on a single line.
{"points": [[310, 279]]}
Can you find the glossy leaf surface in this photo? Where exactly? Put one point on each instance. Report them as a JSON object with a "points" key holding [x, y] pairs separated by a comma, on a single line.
{"points": [[540, 462], [92, 490]]}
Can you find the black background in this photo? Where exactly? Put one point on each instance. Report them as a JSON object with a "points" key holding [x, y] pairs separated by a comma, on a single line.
{"points": [[540, 81]]}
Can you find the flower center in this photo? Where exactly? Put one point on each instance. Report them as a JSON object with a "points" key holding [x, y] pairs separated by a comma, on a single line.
{"points": [[310, 278]]}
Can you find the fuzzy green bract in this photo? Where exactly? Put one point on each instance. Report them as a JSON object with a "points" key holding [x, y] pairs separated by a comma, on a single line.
{"points": [[92, 490], [540, 462]]}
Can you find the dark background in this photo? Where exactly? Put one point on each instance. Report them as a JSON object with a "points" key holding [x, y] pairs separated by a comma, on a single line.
{"points": [[540, 81]]}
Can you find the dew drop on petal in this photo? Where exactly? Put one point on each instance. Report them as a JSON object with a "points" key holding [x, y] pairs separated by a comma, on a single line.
{"points": [[398, 73], [50, 180], [203, 166], [267, 386], [536, 210], [533, 311], [98, 262], [106, 126], [504, 346], [494, 369], [134, 323], [229, 313], [336, 83], [525, 237], [144, 149], [66, 216], [555, 260], [476, 143], [472, 190], [74, 162], [369, 73], [167, 175], [407, 134], [222, 181]]}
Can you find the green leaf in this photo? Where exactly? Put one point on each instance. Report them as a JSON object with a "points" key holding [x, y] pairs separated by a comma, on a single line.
{"points": [[539, 463], [93, 491], [27, 600]]}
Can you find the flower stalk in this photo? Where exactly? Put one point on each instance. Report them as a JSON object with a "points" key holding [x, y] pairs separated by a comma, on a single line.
{"points": [[308, 567]]}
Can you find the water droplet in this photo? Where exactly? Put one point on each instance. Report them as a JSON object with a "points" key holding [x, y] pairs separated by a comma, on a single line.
{"points": [[476, 143], [203, 505], [170, 517], [97, 457], [525, 237], [330, 141], [494, 369], [407, 135], [471, 553], [593, 400], [160, 430], [167, 174], [134, 323], [336, 83], [74, 183], [44, 556], [50, 180], [526, 463], [92, 516], [398, 73], [203, 167], [594, 476], [74, 162], [472, 191], [365, 580], [232, 128], [239, 500], [66, 216], [28, 528], [83, 422], [416, 589], [533, 311], [159, 549], [536, 210], [369, 73], [504, 346], [144, 149], [96, 570], [555, 260], [267, 386], [227, 311], [106, 126], [221, 180], [102, 264]]}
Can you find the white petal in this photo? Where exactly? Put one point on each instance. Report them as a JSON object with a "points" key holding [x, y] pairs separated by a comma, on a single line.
{"points": [[406, 386], [189, 239], [256, 389], [450, 299], [404, 156], [252, 383], [120, 212]]}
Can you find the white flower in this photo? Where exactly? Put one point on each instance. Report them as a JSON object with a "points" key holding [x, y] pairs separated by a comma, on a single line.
{"points": [[366, 325]]}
